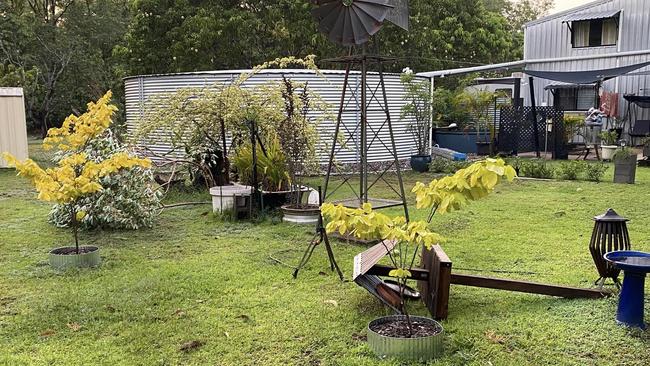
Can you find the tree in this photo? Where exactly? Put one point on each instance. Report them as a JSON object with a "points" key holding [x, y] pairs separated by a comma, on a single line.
{"points": [[518, 13], [70, 43], [440, 195], [183, 35], [76, 176]]}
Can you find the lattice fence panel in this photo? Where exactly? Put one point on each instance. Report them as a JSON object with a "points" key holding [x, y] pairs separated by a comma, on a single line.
{"points": [[517, 132]]}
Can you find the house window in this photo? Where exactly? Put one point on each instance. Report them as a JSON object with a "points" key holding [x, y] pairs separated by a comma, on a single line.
{"points": [[575, 99], [594, 33]]}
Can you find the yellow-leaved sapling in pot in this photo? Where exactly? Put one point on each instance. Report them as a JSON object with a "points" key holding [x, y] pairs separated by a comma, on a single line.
{"points": [[75, 176], [418, 337]]}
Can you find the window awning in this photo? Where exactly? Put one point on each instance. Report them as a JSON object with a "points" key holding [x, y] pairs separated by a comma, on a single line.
{"points": [[591, 16], [586, 77]]}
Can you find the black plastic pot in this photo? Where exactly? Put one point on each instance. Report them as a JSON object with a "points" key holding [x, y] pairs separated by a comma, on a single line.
{"points": [[482, 148], [420, 163], [646, 150]]}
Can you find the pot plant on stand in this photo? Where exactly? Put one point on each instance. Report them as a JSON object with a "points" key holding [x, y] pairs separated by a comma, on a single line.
{"points": [[608, 144], [625, 160], [406, 336], [418, 108], [298, 138], [76, 176]]}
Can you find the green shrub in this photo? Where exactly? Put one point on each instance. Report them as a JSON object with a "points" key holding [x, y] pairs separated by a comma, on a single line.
{"points": [[594, 172], [536, 168], [570, 170], [515, 162], [272, 171], [446, 166], [130, 198]]}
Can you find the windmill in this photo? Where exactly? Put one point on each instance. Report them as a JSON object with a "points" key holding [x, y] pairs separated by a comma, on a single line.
{"points": [[352, 23]]}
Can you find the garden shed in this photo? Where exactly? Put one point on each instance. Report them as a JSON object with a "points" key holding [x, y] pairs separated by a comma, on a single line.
{"points": [[138, 89], [13, 126]]}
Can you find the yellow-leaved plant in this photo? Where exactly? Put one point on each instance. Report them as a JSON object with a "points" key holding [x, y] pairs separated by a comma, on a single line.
{"points": [[440, 195], [75, 176]]}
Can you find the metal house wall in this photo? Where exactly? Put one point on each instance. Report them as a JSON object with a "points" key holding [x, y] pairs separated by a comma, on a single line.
{"points": [[139, 89], [548, 38], [13, 127]]}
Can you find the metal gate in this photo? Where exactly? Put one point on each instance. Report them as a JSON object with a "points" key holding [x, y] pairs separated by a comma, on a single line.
{"points": [[517, 132]]}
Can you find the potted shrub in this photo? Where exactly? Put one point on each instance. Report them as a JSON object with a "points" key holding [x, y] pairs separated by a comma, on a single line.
{"points": [[298, 136], [478, 102], [76, 176], [625, 160], [608, 144], [418, 108], [407, 336]]}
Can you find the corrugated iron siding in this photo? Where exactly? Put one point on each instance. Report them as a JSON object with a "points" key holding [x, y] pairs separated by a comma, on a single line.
{"points": [[140, 88], [550, 38], [13, 127]]}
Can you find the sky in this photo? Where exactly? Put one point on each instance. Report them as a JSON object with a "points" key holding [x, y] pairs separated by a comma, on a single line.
{"points": [[561, 5]]}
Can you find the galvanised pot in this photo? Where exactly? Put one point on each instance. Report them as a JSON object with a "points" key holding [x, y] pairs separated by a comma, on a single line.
{"points": [[422, 348], [304, 214], [62, 261]]}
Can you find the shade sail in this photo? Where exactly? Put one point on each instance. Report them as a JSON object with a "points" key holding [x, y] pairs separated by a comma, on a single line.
{"points": [[591, 15], [642, 101], [585, 77]]}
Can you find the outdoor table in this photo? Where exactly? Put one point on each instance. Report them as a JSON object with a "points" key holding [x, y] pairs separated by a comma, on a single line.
{"points": [[635, 265]]}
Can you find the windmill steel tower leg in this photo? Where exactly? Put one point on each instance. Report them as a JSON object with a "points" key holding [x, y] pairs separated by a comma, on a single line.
{"points": [[392, 142], [336, 130], [363, 176]]}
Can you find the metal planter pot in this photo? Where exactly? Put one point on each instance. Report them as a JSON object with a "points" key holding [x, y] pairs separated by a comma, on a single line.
{"points": [[423, 348], [304, 215], [420, 163], [61, 261], [625, 170]]}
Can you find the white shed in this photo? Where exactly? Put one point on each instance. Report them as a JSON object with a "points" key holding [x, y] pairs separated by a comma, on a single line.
{"points": [[13, 126]]}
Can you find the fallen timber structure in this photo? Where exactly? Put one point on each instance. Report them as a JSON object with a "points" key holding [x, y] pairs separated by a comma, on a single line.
{"points": [[435, 276]]}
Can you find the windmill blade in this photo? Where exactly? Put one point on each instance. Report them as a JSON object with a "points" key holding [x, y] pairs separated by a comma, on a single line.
{"points": [[399, 15], [350, 22]]}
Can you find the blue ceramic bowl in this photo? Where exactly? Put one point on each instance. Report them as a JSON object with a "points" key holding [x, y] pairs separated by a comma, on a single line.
{"points": [[629, 260]]}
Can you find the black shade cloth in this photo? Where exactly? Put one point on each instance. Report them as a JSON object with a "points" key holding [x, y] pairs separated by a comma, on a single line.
{"points": [[585, 77], [553, 87], [640, 100]]}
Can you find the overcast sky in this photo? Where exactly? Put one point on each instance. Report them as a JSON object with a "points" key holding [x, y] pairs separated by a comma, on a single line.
{"points": [[561, 5]]}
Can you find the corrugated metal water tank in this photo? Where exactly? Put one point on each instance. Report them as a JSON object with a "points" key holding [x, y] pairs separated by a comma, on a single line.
{"points": [[328, 85]]}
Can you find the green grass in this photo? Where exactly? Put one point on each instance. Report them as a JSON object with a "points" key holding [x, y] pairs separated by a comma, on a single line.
{"points": [[193, 277]]}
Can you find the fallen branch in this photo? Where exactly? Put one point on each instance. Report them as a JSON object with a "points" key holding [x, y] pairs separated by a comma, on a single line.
{"points": [[186, 204]]}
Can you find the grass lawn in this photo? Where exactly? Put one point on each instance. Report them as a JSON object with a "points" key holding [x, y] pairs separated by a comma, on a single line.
{"points": [[195, 278]]}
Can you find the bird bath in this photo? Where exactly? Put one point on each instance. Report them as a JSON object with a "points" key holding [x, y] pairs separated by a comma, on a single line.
{"points": [[635, 265]]}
